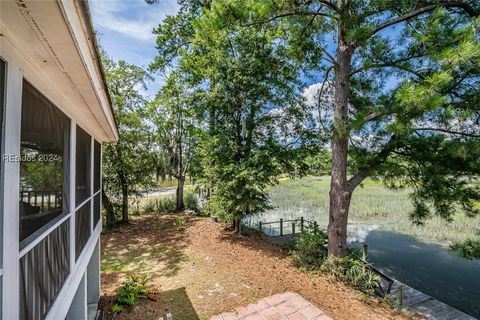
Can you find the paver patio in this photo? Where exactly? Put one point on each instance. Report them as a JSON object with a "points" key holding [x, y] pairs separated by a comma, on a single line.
{"points": [[290, 306]]}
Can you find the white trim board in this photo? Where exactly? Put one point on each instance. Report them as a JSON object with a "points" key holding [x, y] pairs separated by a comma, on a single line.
{"points": [[10, 232]]}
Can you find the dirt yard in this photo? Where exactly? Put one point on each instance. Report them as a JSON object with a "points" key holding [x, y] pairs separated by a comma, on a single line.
{"points": [[200, 270]]}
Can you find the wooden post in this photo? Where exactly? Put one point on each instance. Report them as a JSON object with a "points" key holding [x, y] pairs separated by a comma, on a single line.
{"points": [[301, 224], [281, 227], [315, 226], [364, 256], [400, 294], [260, 226], [293, 228], [365, 252], [389, 287]]}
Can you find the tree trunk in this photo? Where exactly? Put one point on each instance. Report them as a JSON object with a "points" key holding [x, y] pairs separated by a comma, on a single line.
{"points": [[340, 193], [237, 226], [124, 203], [179, 194], [110, 219]]}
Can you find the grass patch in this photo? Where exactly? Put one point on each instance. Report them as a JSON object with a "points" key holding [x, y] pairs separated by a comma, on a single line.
{"points": [[372, 203]]}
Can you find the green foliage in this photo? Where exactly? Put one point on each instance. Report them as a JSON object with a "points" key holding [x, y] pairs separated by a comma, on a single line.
{"points": [[191, 202], [116, 308], [41, 175], [469, 249], [309, 251], [150, 207], [166, 205], [176, 130], [133, 288], [408, 111], [320, 163], [240, 84], [127, 164], [180, 222], [352, 271]]}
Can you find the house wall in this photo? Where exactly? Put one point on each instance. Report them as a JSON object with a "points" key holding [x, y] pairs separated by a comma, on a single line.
{"points": [[20, 67]]}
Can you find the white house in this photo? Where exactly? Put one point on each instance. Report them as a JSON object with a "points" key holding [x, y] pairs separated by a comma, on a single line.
{"points": [[55, 112]]}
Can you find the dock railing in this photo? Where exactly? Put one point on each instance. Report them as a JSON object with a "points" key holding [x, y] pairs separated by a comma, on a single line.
{"points": [[284, 227]]}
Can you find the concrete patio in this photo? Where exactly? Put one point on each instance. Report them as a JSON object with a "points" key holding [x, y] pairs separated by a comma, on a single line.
{"points": [[290, 306]]}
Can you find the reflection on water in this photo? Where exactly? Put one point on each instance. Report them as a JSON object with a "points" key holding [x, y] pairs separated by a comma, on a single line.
{"points": [[357, 232], [430, 268]]}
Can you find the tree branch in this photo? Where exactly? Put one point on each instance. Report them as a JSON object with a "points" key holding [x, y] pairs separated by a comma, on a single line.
{"points": [[290, 14], [329, 4], [449, 131], [354, 181], [391, 64], [320, 93], [445, 4]]}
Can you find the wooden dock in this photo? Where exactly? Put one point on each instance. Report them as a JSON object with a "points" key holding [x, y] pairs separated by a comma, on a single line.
{"points": [[425, 305]]}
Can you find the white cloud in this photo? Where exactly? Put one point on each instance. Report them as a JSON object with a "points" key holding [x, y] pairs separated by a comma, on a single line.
{"points": [[132, 18]]}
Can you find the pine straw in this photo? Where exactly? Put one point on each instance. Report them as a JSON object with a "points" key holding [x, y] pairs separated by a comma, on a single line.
{"points": [[201, 270]]}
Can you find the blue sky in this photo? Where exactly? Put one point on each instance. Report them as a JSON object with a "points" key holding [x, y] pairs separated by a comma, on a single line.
{"points": [[124, 29]]}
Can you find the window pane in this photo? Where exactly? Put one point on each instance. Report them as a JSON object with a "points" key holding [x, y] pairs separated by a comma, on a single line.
{"points": [[82, 182], [44, 162], [82, 228], [43, 271], [96, 173]]}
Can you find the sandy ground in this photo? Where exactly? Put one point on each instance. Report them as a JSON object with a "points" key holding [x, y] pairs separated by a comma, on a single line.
{"points": [[200, 270]]}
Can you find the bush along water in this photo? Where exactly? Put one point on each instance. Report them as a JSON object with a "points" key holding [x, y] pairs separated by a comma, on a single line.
{"points": [[469, 249], [309, 250], [353, 271], [309, 253]]}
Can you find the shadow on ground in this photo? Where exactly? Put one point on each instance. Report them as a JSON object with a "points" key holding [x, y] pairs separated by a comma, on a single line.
{"points": [[153, 246]]}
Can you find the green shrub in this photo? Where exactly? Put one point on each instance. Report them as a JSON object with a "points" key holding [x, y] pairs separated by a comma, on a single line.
{"points": [[167, 205], [179, 222], [133, 288], [191, 202], [469, 249], [352, 271], [150, 207], [214, 207], [309, 250]]}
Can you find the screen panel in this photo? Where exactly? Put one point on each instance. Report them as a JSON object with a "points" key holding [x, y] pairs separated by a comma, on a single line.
{"points": [[97, 158], [82, 228], [96, 210], [44, 164], [43, 271], [82, 164]]}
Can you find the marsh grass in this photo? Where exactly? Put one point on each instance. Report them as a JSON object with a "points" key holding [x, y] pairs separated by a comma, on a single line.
{"points": [[372, 203]]}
